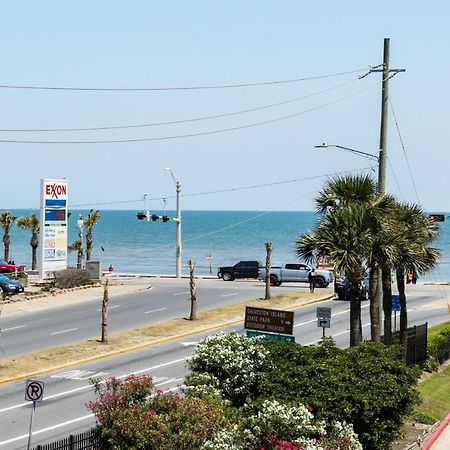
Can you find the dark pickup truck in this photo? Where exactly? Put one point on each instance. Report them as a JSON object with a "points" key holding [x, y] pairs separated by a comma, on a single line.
{"points": [[243, 269]]}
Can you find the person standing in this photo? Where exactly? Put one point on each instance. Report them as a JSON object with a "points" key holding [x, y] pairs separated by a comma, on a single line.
{"points": [[312, 276]]}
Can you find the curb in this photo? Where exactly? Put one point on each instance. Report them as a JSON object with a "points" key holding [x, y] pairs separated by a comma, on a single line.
{"points": [[436, 434], [149, 344]]}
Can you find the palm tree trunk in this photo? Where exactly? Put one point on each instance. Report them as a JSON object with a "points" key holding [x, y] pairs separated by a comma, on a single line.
{"points": [[374, 287], [403, 312], [79, 258], [33, 258], [6, 244], [355, 317], [193, 291], [387, 305], [267, 295], [105, 304]]}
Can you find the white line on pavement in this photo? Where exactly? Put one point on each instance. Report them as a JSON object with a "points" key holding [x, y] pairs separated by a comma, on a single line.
{"points": [[110, 307], [229, 295], [63, 331], [154, 310], [182, 293], [13, 328]]}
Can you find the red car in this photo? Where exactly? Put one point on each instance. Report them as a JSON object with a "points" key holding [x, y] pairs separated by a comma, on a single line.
{"points": [[7, 268]]}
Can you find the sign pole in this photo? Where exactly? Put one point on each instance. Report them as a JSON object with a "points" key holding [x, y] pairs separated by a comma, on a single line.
{"points": [[323, 333], [30, 432]]}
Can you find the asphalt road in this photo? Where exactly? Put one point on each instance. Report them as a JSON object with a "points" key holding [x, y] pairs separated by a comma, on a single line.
{"points": [[63, 412], [158, 300]]}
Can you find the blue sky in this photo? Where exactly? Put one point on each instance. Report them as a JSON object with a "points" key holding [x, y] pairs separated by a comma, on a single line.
{"points": [[180, 43]]}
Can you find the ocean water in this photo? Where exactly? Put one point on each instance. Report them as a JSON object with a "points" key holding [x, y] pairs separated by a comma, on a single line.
{"points": [[210, 238]]}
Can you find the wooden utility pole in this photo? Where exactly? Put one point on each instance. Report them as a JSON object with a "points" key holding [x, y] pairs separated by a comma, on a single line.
{"points": [[193, 290], [105, 303]]}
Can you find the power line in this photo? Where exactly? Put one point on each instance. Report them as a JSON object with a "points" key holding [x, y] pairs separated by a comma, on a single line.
{"points": [[220, 191], [404, 150], [177, 88], [174, 122], [188, 135]]}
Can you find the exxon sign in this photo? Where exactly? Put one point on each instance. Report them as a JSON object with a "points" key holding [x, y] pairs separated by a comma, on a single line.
{"points": [[55, 190]]}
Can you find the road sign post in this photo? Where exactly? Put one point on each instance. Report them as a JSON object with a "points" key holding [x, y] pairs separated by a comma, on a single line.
{"points": [[323, 319], [34, 392]]}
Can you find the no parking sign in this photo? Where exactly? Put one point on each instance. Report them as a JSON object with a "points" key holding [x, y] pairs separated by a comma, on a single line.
{"points": [[34, 391]]}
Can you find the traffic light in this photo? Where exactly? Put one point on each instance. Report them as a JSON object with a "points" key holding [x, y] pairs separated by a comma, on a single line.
{"points": [[165, 218], [141, 215], [154, 217]]}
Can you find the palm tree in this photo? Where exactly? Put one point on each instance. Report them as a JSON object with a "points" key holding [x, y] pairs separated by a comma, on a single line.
{"points": [[363, 190], [193, 290], [415, 253], [77, 246], [6, 221], [343, 236], [268, 246], [92, 218], [31, 223]]}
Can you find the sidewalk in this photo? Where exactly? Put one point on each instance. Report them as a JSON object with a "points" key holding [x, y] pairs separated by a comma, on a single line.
{"points": [[440, 439]]}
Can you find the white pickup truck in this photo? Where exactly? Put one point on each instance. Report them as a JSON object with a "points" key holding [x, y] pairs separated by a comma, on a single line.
{"points": [[295, 272]]}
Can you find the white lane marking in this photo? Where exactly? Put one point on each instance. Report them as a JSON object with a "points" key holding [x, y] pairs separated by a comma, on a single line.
{"points": [[68, 422], [182, 293], [89, 386], [187, 344], [229, 295], [154, 310], [110, 307], [13, 328], [64, 331], [347, 331], [332, 315], [79, 375]]}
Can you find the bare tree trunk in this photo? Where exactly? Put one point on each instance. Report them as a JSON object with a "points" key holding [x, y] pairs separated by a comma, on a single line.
{"points": [[374, 287], [267, 295], [193, 289], [80, 258], [105, 312], [387, 305], [403, 312]]}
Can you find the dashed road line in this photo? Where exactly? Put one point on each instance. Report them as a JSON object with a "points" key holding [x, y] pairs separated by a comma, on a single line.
{"points": [[63, 331], [155, 310]]}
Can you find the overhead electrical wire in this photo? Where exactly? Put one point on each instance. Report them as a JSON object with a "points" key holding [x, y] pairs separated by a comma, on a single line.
{"points": [[188, 135], [175, 122], [178, 88], [220, 191]]}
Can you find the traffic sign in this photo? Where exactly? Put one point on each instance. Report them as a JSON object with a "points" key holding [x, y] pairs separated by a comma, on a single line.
{"points": [[323, 322], [270, 336], [34, 391], [269, 320], [324, 312], [395, 303]]}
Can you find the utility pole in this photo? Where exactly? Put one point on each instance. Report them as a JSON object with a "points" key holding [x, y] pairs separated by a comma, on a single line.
{"points": [[178, 220], [382, 158]]}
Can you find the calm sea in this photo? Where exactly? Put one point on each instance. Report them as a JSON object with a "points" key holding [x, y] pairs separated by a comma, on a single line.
{"points": [[213, 238]]}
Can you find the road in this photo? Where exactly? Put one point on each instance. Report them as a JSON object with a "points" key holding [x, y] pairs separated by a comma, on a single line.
{"points": [[157, 301], [63, 412]]}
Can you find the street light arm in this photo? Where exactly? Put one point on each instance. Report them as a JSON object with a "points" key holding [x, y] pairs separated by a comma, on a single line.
{"points": [[351, 150], [168, 169]]}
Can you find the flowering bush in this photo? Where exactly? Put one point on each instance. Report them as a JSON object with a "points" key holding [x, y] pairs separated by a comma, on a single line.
{"points": [[235, 361], [128, 418]]}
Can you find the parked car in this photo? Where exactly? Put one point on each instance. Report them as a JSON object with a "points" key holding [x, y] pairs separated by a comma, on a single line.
{"points": [[243, 269], [343, 289], [8, 286], [296, 272], [6, 267]]}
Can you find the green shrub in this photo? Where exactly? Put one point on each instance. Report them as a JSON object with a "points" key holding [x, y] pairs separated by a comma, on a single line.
{"points": [[70, 278], [439, 340], [366, 386], [424, 418]]}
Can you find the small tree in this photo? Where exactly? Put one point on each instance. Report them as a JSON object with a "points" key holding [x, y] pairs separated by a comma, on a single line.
{"points": [[6, 221], [268, 245], [90, 221], [193, 290], [31, 223], [77, 246], [105, 304]]}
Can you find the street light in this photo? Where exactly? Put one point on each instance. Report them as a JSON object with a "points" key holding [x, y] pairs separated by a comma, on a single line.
{"points": [[80, 225], [351, 150], [178, 221]]}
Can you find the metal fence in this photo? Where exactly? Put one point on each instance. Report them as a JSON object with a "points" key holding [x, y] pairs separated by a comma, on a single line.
{"points": [[416, 348], [87, 440]]}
